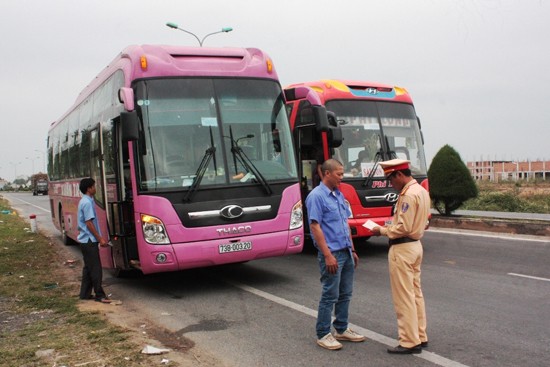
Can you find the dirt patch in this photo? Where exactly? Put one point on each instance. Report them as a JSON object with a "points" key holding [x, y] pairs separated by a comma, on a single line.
{"points": [[524, 190], [183, 351], [143, 332], [534, 190], [12, 321]]}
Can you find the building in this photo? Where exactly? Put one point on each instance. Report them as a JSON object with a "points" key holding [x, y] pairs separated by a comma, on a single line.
{"points": [[509, 170]]}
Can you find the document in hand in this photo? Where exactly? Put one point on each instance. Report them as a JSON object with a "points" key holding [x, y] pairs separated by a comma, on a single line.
{"points": [[370, 224]]}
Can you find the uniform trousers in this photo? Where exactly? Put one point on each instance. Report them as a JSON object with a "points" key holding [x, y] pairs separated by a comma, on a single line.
{"points": [[92, 273], [404, 265]]}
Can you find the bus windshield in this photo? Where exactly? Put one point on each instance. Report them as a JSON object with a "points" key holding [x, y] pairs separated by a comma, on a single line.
{"points": [[236, 129], [374, 131]]}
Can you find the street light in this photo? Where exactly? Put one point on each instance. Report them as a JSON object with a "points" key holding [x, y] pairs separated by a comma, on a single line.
{"points": [[32, 161], [175, 26], [14, 164], [43, 158]]}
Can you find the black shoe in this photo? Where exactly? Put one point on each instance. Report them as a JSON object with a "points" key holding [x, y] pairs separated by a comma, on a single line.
{"points": [[424, 345], [402, 350]]}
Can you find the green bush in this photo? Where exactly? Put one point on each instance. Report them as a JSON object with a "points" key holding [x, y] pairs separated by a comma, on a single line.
{"points": [[450, 181]]}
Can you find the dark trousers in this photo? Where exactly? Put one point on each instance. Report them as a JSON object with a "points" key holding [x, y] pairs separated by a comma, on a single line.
{"points": [[92, 273]]}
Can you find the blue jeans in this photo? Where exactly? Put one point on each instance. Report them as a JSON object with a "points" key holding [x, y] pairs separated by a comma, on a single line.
{"points": [[336, 293]]}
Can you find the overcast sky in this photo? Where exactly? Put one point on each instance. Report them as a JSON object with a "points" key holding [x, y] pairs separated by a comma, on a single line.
{"points": [[478, 70]]}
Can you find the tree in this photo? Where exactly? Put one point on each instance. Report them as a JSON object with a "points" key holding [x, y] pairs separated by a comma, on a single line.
{"points": [[20, 181], [450, 181]]}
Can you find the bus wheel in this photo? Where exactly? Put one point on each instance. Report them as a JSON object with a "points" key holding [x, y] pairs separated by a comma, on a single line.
{"points": [[67, 241]]}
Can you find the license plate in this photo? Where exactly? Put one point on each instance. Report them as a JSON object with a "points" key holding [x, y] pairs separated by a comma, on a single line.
{"points": [[234, 247]]}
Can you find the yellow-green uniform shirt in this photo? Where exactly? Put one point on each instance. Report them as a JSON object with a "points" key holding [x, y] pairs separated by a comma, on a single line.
{"points": [[411, 213]]}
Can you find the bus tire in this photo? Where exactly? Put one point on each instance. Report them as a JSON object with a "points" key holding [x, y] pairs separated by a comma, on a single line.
{"points": [[67, 241]]}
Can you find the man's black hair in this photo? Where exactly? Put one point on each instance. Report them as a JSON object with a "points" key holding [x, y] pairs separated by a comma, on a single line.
{"points": [[85, 184], [407, 172]]}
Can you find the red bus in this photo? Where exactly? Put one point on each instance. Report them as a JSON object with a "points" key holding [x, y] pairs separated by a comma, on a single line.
{"points": [[192, 155], [370, 122]]}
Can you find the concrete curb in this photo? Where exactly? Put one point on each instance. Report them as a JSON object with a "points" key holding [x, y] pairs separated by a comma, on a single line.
{"points": [[493, 225]]}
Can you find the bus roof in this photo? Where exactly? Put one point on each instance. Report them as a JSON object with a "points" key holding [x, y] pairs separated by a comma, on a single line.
{"points": [[152, 61], [352, 89]]}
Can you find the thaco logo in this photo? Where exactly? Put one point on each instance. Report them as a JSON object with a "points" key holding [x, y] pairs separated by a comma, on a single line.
{"points": [[233, 230], [231, 211]]}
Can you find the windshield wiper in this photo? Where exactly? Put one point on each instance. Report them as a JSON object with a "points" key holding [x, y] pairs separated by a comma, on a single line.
{"points": [[200, 172], [250, 167], [208, 155], [377, 159], [241, 156]]}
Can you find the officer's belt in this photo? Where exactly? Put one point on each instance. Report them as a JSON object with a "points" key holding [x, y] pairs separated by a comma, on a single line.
{"points": [[398, 241]]}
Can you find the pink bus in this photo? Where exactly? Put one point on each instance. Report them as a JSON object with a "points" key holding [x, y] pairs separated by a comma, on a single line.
{"points": [[192, 155]]}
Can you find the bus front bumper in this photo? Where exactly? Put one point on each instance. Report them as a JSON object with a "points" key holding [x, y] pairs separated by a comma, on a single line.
{"points": [[197, 254]]}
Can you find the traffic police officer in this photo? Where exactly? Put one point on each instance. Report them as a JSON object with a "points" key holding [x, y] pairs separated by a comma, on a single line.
{"points": [[405, 255]]}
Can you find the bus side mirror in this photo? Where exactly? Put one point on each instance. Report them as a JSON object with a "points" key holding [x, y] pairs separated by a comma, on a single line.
{"points": [[314, 113], [126, 96], [302, 92], [334, 134], [321, 119], [129, 128], [420, 128], [314, 116], [335, 137]]}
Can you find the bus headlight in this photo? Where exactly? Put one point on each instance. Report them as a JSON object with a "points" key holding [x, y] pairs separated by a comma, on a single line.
{"points": [[154, 231], [296, 216]]}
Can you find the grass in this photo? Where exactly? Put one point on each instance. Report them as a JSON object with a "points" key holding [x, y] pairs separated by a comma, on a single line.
{"points": [[519, 197], [38, 308]]}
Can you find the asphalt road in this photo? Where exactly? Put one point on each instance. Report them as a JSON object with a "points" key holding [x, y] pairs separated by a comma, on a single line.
{"points": [[487, 297]]}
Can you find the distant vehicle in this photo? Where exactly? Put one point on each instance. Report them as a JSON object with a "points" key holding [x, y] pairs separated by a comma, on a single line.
{"points": [[192, 155], [369, 123], [39, 184]]}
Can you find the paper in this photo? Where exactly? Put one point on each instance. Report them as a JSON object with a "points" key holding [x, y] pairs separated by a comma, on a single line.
{"points": [[370, 224], [149, 349]]}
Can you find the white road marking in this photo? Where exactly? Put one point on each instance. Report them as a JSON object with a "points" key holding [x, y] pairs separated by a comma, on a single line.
{"points": [[31, 204], [428, 356], [529, 276]]}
